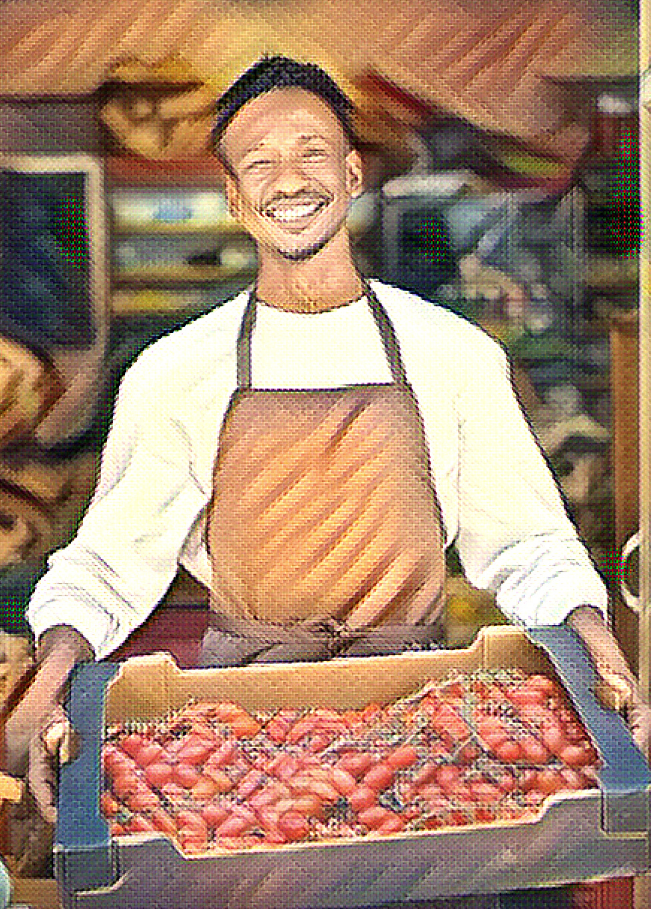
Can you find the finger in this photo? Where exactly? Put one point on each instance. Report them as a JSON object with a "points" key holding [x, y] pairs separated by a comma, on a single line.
{"points": [[42, 780], [639, 724], [613, 691], [54, 736]]}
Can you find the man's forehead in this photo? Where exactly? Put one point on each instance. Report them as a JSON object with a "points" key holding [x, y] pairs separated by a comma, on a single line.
{"points": [[281, 107]]}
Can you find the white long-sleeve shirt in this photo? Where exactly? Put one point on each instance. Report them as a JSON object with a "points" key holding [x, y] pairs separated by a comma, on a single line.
{"points": [[499, 502]]}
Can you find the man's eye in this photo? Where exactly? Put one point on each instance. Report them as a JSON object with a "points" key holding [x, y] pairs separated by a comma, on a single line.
{"points": [[258, 164], [314, 154]]}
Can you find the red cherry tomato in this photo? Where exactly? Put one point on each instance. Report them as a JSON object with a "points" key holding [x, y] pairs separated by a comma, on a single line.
{"points": [[402, 757], [185, 776], [139, 824], [214, 814], [374, 817], [484, 791], [553, 737], [394, 824], [573, 779], [223, 755], [192, 842], [302, 728], [142, 799], [124, 783], [114, 758], [309, 805], [223, 782], [533, 750], [132, 743], [190, 819], [356, 763], [508, 751], [148, 753], [379, 777], [343, 781], [549, 781], [108, 805], [250, 782], [447, 776], [425, 774], [194, 751], [204, 789], [162, 821], [158, 774], [234, 825], [577, 755], [244, 726], [363, 798], [293, 826], [320, 742]]}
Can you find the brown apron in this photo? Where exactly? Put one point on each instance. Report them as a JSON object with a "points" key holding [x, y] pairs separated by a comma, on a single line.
{"points": [[323, 531]]}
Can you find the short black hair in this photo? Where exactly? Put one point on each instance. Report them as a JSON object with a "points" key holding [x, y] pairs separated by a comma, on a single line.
{"points": [[270, 73]]}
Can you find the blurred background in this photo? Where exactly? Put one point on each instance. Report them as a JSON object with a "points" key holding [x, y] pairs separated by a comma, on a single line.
{"points": [[501, 143]]}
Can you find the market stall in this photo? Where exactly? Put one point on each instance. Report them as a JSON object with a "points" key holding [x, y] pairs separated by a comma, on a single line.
{"points": [[501, 151]]}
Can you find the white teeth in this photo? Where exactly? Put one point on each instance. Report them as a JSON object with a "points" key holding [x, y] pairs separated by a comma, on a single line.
{"points": [[295, 213]]}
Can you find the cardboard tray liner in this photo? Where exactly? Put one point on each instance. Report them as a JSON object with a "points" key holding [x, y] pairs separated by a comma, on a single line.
{"points": [[587, 835]]}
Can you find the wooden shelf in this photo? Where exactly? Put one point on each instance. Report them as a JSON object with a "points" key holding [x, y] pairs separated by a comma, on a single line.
{"points": [[132, 172], [200, 275], [171, 229]]}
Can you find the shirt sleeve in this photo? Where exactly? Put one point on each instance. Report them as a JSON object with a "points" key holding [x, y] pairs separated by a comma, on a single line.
{"points": [[515, 537], [124, 556]]}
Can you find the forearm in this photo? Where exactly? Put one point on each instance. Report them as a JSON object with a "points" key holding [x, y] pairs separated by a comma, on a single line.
{"points": [[58, 651], [63, 646]]}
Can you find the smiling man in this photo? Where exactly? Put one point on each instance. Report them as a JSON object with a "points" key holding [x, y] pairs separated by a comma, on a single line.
{"points": [[310, 448], [291, 172]]}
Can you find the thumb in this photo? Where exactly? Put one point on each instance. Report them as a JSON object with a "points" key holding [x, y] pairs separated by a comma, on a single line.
{"points": [[638, 717], [614, 691]]}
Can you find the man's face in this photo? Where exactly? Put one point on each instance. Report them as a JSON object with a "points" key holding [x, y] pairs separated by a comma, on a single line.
{"points": [[291, 174]]}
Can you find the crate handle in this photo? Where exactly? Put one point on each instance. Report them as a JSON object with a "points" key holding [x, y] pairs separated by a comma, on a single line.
{"points": [[625, 774], [83, 853]]}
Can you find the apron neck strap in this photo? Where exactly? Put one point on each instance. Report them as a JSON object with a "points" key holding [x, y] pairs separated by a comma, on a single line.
{"points": [[383, 323]]}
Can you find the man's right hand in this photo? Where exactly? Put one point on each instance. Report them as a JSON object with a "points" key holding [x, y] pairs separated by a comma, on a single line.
{"points": [[35, 728]]}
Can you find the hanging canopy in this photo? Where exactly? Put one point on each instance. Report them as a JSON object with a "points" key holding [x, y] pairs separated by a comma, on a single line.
{"points": [[503, 65]]}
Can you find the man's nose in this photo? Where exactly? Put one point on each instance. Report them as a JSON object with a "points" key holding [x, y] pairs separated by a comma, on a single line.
{"points": [[290, 178]]}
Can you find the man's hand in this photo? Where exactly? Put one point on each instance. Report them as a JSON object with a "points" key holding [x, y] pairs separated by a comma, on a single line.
{"points": [[619, 689], [36, 728]]}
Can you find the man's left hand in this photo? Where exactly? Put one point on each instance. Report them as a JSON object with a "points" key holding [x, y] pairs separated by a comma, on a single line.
{"points": [[619, 689]]}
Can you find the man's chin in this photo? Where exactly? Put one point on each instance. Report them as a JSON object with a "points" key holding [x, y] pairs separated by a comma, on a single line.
{"points": [[301, 253]]}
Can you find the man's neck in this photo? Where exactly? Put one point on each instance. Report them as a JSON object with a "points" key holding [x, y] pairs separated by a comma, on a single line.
{"points": [[324, 281]]}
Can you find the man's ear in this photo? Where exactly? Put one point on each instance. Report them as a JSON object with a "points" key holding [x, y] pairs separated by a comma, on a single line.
{"points": [[230, 187], [354, 173]]}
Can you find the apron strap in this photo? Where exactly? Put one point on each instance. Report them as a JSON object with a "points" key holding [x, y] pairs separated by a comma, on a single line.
{"points": [[383, 323]]}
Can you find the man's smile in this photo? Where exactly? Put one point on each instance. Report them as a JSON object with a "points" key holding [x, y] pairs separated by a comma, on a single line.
{"points": [[289, 212]]}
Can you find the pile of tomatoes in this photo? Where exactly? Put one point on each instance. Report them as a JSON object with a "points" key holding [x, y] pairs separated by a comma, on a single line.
{"points": [[471, 749]]}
